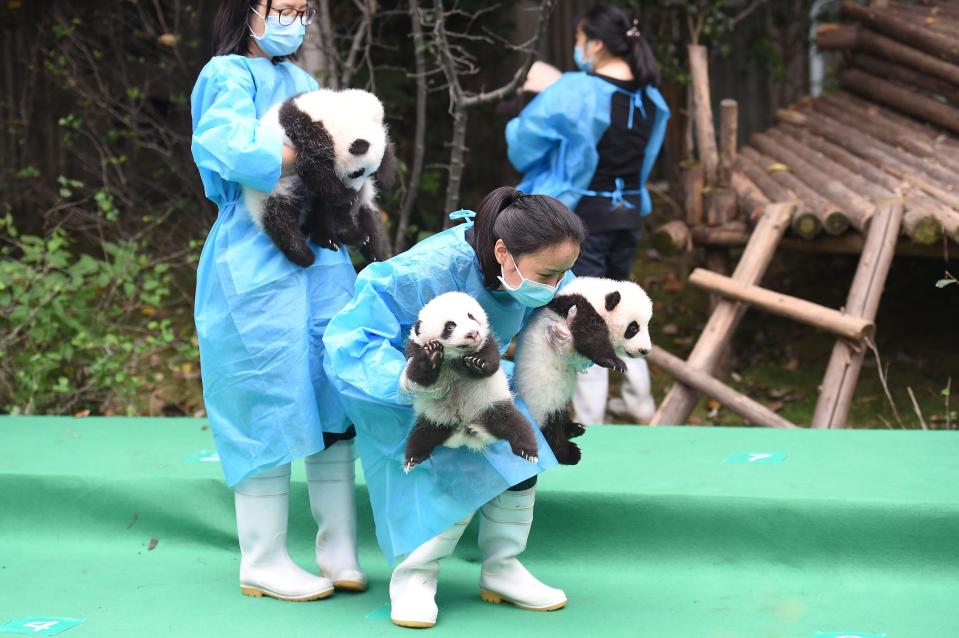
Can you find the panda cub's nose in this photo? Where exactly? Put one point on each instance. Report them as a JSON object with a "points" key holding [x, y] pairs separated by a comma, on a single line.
{"points": [[644, 352], [358, 147], [472, 335]]}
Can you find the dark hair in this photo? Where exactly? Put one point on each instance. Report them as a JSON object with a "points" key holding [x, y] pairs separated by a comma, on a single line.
{"points": [[525, 223], [231, 31], [622, 38]]}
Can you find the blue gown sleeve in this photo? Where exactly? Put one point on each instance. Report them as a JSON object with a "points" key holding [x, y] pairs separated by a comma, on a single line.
{"points": [[544, 123], [365, 341], [228, 138]]}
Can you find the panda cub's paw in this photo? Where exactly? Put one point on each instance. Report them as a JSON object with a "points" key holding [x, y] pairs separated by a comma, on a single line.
{"points": [[529, 455], [424, 365], [476, 365], [612, 363], [570, 456], [412, 462], [574, 429]]}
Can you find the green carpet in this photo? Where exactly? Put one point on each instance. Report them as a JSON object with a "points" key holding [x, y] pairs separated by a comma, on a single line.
{"points": [[656, 533]]}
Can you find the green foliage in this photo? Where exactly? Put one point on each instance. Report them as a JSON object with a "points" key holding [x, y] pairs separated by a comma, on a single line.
{"points": [[80, 330]]}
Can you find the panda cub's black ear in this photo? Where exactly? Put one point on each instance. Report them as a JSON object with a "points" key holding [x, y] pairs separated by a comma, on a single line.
{"points": [[612, 300], [386, 173], [416, 327]]}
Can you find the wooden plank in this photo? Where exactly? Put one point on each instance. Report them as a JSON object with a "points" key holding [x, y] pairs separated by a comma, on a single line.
{"points": [[794, 308], [842, 373], [728, 135], [716, 335], [703, 111], [693, 184], [736, 402]]}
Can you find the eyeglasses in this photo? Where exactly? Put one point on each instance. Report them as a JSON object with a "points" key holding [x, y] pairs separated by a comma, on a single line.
{"points": [[286, 17]]}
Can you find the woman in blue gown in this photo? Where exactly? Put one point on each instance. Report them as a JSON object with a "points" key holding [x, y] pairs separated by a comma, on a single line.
{"points": [[260, 318], [512, 260], [590, 139]]}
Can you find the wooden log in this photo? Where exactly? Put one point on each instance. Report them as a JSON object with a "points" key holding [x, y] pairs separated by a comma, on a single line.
{"points": [[927, 18], [794, 308], [799, 143], [672, 237], [736, 402], [939, 139], [850, 161], [791, 116], [703, 111], [889, 23], [848, 244], [921, 226], [893, 71], [749, 197], [835, 214], [923, 154], [720, 205], [693, 185], [805, 163], [889, 158], [728, 135], [715, 337], [832, 36], [907, 56], [897, 97], [812, 207], [842, 373]]}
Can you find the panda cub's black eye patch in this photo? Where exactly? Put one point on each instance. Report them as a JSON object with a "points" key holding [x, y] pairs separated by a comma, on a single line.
{"points": [[448, 329], [359, 147], [357, 173], [631, 330]]}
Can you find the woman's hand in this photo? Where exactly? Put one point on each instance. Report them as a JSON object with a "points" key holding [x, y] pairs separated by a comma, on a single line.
{"points": [[288, 166]]}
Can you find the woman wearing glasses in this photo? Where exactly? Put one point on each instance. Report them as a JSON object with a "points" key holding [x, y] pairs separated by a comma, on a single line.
{"points": [[260, 318]]}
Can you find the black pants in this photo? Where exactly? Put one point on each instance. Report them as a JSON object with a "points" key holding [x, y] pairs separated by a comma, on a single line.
{"points": [[607, 254], [329, 438]]}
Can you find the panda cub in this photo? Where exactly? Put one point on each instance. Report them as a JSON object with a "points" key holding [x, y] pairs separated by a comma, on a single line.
{"points": [[343, 154], [461, 396], [589, 319]]}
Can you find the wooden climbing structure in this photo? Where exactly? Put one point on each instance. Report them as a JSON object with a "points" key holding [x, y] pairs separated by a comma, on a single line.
{"points": [[871, 169]]}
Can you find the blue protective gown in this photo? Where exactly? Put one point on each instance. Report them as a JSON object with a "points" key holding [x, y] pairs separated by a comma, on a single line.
{"points": [[553, 140], [259, 317], [365, 344]]}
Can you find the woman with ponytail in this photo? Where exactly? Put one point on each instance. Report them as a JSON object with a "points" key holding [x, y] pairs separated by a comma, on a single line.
{"points": [[590, 139], [510, 255]]}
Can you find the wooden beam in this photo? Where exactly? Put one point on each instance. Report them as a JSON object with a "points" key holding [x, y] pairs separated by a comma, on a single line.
{"points": [[893, 25], [703, 111], [672, 237], [911, 102], [749, 197], [736, 402], [842, 373], [715, 337], [794, 308], [693, 184], [728, 135]]}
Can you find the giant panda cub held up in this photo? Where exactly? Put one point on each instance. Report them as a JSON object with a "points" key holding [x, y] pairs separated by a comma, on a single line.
{"points": [[461, 396], [591, 319], [343, 154]]}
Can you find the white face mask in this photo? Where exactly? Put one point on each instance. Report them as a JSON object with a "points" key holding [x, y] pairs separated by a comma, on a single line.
{"points": [[529, 293], [279, 39]]}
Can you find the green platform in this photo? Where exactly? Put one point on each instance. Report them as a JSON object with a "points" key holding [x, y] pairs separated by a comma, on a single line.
{"points": [[653, 534]]}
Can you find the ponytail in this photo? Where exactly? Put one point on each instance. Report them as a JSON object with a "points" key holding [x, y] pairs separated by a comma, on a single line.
{"points": [[525, 223], [622, 39]]}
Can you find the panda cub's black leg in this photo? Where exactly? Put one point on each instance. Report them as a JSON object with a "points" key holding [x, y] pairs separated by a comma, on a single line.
{"points": [[555, 431], [485, 361], [366, 221], [319, 226], [281, 221], [504, 421], [424, 437]]}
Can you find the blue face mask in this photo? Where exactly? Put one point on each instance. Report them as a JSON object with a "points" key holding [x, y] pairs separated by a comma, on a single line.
{"points": [[529, 293], [579, 57], [278, 39]]}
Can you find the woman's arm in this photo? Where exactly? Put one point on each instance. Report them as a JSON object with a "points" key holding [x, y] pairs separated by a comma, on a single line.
{"points": [[228, 138]]}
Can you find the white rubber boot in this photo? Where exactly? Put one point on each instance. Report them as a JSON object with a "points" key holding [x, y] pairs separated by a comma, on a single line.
{"points": [[589, 397], [330, 477], [637, 391], [504, 527], [413, 584], [266, 569]]}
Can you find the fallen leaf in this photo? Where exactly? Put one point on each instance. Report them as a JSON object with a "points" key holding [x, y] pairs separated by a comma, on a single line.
{"points": [[778, 393], [152, 545], [670, 329], [82, 413], [738, 378], [776, 406], [793, 364]]}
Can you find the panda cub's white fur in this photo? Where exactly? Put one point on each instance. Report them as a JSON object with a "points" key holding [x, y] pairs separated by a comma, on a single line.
{"points": [[347, 116], [460, 394], [590, 319]]}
